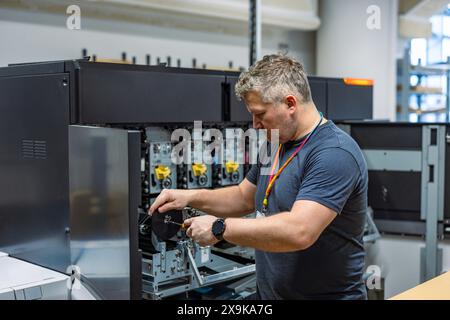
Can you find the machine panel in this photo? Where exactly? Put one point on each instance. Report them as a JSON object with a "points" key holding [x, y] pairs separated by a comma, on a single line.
{"points": [[238, 110], [447, 183], [387, 136], [104, 199], [348, 102], [34, 210], [161, 172], [406, 162], [110, 94], [396, 192], [319, 93]]}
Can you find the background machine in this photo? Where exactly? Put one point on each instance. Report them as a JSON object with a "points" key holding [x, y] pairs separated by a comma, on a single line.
{"points": [[409, 189]]}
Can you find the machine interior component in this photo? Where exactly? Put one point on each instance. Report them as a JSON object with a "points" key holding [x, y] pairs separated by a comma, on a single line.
{"points": [[166, 225], [160, 171]]}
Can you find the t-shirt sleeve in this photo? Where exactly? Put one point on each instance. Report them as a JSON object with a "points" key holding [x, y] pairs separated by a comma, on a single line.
{"points": [[253, 174], [330, 178]]}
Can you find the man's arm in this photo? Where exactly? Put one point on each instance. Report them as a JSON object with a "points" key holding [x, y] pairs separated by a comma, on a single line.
{"points": [[283, 232], [328, 184], [235, 201]]}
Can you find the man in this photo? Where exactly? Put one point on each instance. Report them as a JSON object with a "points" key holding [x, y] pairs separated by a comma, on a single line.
{"points": [[308, 238]]}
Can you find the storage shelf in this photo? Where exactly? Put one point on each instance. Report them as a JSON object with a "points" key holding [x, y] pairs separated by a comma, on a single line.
{"points": [[437, 110], [421, 90], [405, 90], [440, 70]]}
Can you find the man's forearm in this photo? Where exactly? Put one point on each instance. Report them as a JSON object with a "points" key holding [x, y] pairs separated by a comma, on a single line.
{"points": [[278, 233], [224, 202]]}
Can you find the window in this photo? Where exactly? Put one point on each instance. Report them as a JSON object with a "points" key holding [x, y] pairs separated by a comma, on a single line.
{"points": [[418, 51], [432, 105]]}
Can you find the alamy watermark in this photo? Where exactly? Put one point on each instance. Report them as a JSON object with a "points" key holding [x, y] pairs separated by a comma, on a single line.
{"points": [[73, 22], [374, 19], [210, 146], [373, 281]]}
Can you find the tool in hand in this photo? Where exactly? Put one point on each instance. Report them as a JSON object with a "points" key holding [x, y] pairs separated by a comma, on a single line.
{"points": [[168, 219]]}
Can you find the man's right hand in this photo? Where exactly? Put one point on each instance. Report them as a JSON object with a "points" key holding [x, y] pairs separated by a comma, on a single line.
{"points": [[171, 199]]}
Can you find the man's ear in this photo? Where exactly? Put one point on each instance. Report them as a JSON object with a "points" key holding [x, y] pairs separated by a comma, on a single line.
{"points": [[291, 102]]}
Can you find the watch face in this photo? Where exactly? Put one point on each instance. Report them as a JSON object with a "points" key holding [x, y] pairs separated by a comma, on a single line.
{"points": [[218, 227]]}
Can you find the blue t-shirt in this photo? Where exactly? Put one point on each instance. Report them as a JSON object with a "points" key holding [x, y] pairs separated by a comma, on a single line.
{"points": [[330, 169]]}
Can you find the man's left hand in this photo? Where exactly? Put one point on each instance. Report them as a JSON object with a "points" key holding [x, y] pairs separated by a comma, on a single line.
{"points": [[199, 230]]}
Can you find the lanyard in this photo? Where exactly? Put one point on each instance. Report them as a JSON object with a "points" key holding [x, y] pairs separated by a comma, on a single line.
{"points": [[273, 177]]}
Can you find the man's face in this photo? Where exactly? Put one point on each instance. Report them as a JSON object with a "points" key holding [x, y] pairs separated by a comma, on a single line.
{"points": [[270, 116]]}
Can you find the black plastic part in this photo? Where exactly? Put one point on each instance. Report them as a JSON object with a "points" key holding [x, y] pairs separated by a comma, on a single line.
{"points": [[319, 94], [447, 180], [433, 137], [134, 179], [381, 136], [395, 190], [237, 109], [114, 94], [348, 102], [165, 230]]}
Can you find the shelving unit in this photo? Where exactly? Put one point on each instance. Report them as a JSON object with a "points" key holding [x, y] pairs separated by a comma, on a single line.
{"points": [[405, 90]]}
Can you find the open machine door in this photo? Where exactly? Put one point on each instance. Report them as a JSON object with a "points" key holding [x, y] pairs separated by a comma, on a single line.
{"points": [[104, 171]]}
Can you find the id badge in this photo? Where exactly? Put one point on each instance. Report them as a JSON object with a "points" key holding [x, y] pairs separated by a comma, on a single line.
{"points": [[259, 214]]}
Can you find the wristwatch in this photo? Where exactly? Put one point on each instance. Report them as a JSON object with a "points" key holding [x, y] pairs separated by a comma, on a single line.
{"points": [[218, 228]]}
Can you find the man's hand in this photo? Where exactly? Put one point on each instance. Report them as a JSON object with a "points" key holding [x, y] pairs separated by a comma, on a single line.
{"points": [[199, 230], [171, 200]]}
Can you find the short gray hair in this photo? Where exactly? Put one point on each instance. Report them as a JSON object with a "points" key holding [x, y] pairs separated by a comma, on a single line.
{"points": [[273, 77]]}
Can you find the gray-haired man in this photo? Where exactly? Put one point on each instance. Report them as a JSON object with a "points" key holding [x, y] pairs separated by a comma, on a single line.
{"points": [[308, 238]]}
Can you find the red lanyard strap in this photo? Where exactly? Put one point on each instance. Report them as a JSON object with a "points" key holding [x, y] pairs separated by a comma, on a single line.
{"points": [[272, 177]]}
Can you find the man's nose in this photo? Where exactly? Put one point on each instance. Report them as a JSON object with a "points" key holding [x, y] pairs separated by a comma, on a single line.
{"points": [[256, 123]]}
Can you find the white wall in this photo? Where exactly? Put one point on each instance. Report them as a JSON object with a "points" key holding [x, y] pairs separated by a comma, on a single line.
{"points": [[347, 48], [36, 36], [399, 260]]}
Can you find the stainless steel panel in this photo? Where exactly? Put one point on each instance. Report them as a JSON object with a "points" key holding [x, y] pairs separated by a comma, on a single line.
{"points": [[103, 202]]}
